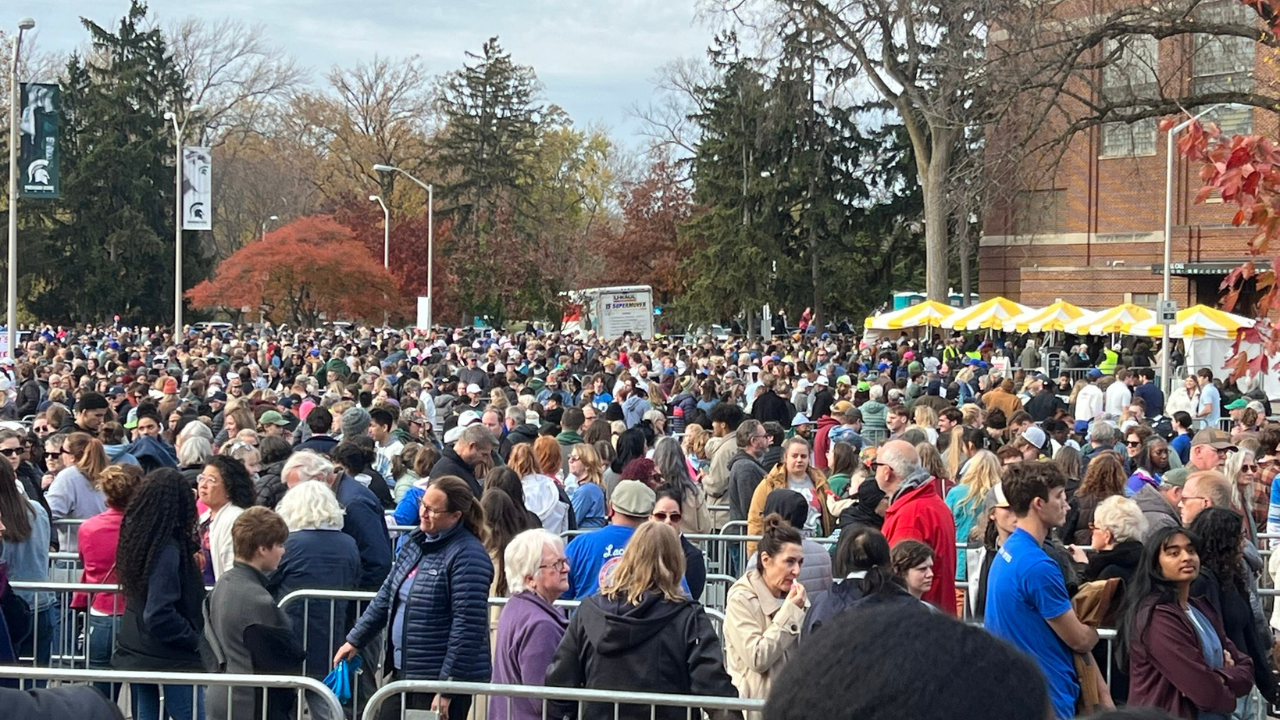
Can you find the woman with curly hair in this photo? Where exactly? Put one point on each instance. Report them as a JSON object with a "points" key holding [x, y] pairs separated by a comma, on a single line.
{"points": [[1224, 584], [1104, 477], [226, 489], [158, 564]]}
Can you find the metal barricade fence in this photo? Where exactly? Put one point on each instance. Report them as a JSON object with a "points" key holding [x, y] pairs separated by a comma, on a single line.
{"points": [[307, 692], [623, 704], [60, 624]]}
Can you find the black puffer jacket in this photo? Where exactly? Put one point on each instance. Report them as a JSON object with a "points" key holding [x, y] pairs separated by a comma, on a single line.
{"points": [[271, 486], [654, 646], [523, 434]]}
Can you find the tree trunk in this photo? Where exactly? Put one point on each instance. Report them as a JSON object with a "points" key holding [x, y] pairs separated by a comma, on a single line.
{"points": [[935, 225], [965, 249]]}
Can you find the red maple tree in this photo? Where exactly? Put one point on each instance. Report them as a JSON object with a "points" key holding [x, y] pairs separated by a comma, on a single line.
{"points": [[309, 269], [645, 250]]}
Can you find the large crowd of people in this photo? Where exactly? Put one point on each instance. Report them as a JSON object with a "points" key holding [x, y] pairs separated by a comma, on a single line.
{"points": [[922, 479]]}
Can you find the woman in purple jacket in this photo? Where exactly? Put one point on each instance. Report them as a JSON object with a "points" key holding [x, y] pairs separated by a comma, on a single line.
{"points": [[531, 626], [1178, 655]]}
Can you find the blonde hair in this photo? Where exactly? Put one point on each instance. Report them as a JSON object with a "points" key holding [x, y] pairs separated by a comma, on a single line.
{"points": [[925, 416], [592, 466], [653, 562], [311, 506], [982, 475], [695, 441], [523, 461]]}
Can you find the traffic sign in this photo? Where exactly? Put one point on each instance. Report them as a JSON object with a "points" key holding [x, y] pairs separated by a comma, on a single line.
{"points": [[1167, 310]]}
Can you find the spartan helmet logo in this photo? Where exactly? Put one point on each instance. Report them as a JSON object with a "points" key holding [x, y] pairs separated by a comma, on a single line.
{"points": [[38, 172]]}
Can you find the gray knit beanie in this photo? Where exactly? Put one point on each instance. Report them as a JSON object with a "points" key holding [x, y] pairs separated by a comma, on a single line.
{"points": [[355, 422]]}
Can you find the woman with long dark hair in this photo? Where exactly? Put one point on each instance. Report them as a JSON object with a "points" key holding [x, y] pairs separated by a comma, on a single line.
{"points": [[859, 553], [1224, 584], [226, 488], [157, 562], [630, 446], [24, 551], [674, 468], [1178, 655]]}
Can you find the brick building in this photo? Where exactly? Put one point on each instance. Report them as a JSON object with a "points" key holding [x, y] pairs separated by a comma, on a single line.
{"points": [[1092, 231]]}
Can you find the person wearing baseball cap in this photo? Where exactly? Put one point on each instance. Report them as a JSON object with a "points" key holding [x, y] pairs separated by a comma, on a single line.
{"points": [[1209, 449], [272, 423], [595, 553]]}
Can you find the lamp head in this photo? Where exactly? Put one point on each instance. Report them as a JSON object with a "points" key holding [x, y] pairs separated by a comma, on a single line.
{"points": [[274, 217], [384, 168], [195, 109], [26, 23], [374, 198], [169, 115]]}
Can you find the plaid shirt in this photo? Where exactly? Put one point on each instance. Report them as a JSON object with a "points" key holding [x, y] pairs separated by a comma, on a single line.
{"points": [[1261, 497]]}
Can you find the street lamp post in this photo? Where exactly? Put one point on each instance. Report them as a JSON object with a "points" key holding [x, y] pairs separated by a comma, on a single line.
{"points": [[178, 130], [1166, 381], [431, 229], [273, 218], [24, 25], [386, 231]]}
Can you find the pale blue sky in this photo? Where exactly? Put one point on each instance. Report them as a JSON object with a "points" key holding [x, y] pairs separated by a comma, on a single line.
{"points": [[595, 57]]}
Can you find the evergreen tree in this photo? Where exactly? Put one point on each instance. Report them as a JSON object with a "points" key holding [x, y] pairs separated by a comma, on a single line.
{"points": [[727, 255], [492, 120], [110, 248]]}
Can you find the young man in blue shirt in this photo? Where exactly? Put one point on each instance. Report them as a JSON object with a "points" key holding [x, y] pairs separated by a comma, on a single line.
{"points": [[1027, 601], [596, 553]]}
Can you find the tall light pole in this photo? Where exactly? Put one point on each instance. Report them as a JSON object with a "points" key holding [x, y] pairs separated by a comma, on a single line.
{"points": [[24, 25], [178, 130], [273, 218], [386, 231], [1166, 382], [431, 229]]}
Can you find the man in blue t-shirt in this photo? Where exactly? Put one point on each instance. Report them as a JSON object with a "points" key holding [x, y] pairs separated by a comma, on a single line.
{"points": [[1027, 602], [594, 555], [1210, 411]]}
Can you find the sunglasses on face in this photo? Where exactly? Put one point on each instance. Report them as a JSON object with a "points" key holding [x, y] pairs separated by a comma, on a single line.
{"points": [[1133, 443], [663, 517], [10, 452], [1249, 468]]}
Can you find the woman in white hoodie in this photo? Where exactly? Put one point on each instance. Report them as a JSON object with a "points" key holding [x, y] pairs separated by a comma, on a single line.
{"points": [[541, 494]]}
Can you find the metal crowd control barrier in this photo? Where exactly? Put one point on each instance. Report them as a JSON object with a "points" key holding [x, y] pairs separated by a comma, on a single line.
{"points": [[307, 691], [69, 644], [623, 704]]}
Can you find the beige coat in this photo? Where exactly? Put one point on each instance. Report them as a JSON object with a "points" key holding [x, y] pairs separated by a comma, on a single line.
{"points": [[761, 633], [695, 516]]}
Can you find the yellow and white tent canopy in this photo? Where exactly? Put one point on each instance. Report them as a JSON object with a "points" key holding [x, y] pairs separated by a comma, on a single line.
{"points": [[927, 314], [1053, 318], [1115, 320], [1193, 322], [989, 315]]}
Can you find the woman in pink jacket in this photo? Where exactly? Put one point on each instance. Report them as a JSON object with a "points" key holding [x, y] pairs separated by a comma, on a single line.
{"points": [[98, 537]]}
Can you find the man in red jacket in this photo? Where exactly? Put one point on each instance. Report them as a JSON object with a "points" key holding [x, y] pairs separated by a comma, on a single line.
{"points": [[916, 512]]}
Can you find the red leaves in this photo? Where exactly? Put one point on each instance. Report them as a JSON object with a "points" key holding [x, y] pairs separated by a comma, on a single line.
{"points": [[312, 265]]}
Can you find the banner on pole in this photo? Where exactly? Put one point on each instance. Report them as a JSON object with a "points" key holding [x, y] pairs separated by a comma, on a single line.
{"points": [[197, 189], [38, 148], [424, 314]]}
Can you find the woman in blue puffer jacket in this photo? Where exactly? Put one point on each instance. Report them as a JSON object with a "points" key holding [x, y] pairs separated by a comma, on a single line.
{"points": [[435, 601]]}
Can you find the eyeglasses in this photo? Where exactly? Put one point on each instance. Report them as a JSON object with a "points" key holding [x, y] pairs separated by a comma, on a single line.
{"points": [[561, 564], [1201, 498], [428, 510], [207, 480], [1249, 468], [663, 517], [574, 458], [10, 452]]}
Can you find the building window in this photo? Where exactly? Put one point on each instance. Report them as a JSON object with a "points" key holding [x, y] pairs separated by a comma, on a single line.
{"points": [[1224, 63], [1040, 212], [1128, 79], [1146, 300]]}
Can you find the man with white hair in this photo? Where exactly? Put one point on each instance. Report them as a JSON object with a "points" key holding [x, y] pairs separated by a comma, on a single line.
{"points": [[363, 520], [917, 512]]}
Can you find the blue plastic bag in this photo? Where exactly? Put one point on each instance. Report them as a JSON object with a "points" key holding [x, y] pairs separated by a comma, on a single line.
{"points": [[339, 679]]}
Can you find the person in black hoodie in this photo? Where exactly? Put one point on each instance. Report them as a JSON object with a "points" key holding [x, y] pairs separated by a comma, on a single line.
{"points": [[641, 633], [162, 626]]}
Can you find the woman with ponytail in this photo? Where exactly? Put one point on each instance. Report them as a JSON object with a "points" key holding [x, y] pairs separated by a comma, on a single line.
{"points": [[435, 601], [76, 492]]}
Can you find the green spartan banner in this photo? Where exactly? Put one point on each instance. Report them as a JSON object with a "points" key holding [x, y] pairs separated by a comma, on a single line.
{"points": [[38, 152]]}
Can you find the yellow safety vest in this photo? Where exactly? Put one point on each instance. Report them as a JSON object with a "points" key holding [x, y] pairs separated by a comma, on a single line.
{"points": [[1109, 360]]}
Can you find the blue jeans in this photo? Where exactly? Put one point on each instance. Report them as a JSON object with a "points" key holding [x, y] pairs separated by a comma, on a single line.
{"points": [[181, 702], [102, 634], [39, 642]]}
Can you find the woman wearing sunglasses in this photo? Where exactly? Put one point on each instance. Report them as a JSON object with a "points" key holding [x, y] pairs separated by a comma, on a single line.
{"points": [[666, 510]]}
